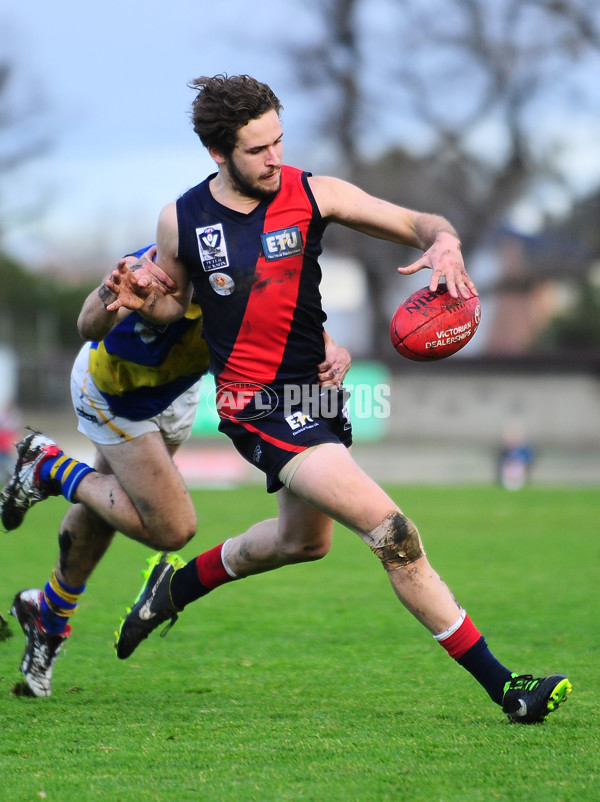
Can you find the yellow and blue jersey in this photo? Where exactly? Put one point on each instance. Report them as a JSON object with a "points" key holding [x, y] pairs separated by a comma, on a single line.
{"points": [[140, 368]]}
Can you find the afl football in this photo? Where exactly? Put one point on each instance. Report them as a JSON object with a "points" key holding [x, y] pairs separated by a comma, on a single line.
{"points": [[431, 324]]}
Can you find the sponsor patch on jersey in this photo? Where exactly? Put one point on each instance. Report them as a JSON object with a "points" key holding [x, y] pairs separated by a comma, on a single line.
{"points": [[212, 247], [281, 244], [221, 283]]}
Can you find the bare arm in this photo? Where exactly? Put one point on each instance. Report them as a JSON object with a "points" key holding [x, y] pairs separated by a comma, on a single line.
{"points": [[350, 206], [96, 318], [147, 298], [95, 321]]}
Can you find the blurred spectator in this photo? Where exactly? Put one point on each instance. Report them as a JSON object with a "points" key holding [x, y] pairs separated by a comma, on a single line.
{"points": [[515, 459]]}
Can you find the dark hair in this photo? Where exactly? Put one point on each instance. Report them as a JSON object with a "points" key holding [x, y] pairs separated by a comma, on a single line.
{"points": [[224, 104]]}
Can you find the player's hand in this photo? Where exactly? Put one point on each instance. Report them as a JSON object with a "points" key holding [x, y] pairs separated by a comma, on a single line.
{"points": [[445, 259], [134, 280], [337, 363], [132, 287], [148, 272]]}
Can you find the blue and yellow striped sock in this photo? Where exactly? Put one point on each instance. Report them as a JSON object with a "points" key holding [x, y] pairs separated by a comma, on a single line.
{"points": [[68, 472], [59, 603]]}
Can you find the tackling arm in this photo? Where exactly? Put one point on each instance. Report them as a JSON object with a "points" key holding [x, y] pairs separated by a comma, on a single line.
{"points": [[143, 293], [97, 317], [95, 321]]}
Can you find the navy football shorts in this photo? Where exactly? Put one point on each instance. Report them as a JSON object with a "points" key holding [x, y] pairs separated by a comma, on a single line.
{"points": [[273, 439]]}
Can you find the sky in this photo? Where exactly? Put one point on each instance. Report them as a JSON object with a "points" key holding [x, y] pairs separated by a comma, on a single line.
{"points": [[110, 79]]}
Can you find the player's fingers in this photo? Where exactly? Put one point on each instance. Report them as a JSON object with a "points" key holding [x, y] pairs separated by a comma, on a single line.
{"points": [[450, 284], [150, 253], [467, 287], [117, 273], [142, 280], [414, 267], [160, 287], [162, 277], [460, 285], [329, 376]]}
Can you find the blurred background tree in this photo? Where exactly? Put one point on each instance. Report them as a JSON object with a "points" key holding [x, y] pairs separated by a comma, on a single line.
{"points": [[35, 315], [577, 326], [478, 83], [24, 135]]}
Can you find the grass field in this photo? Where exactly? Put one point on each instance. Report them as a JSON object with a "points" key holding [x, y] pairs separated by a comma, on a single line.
{"points": [[312, 682]]}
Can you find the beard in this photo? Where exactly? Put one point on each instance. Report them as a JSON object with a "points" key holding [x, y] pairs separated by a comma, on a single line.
{"points": [[247, 187]]}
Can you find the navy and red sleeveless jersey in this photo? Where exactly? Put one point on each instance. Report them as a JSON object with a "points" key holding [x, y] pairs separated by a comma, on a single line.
{"points": [[256, 277]]}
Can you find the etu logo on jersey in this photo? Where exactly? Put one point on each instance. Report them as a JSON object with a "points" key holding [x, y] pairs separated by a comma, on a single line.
{"points": [[281, 244]]}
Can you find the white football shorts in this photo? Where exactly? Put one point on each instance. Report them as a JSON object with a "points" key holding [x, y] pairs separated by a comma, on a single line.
{"points": [[102, 425]]}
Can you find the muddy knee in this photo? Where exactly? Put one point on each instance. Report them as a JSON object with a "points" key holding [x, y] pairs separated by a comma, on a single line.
{"points": [[396, 542]]}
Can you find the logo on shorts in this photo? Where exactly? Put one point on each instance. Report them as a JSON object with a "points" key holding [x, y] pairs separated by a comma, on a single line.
{"points": [[282, 243], [257, 454], [244, 400], [86, 415], [221, 283], [212, 247], [299, 420]]}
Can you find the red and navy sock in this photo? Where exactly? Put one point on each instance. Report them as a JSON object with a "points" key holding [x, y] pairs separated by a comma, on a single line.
{"points": [[198, 577], [465, 644], [66, 472]]}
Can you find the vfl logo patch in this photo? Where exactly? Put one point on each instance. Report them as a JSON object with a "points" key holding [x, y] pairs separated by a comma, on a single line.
{"points": [[212, 247], [281, 244]]}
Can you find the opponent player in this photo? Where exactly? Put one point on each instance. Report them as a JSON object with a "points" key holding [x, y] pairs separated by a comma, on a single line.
{"points": [[135, 391]]}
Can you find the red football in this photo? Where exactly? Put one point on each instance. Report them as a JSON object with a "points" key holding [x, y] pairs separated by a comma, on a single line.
{"points": [[432, 325]]}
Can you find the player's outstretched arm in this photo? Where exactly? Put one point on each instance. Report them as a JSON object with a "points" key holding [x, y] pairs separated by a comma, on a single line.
{"points": [[349, 205]]}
